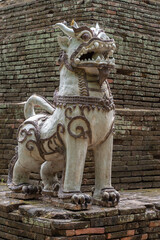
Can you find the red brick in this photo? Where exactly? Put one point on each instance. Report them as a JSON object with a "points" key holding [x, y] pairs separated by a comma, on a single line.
{"points": [[126, 238], [132, 20], [130, 232], [109, 235], [154, 224], [144, 236], [90, 231], [113, 4], [70, 233], [97, 237], [119, 234], [111, 12], [110, 80]]}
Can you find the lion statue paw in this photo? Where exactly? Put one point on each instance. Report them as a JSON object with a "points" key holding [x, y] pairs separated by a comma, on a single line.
{"points": [[31, 189], [81, 199], [110, 197]]}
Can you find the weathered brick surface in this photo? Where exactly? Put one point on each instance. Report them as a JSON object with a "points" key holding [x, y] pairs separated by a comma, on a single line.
{"points": [[130, 220], [136, 157]]}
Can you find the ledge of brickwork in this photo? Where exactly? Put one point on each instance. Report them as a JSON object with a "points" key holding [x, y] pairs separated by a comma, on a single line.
{"points": [[136, 217]]}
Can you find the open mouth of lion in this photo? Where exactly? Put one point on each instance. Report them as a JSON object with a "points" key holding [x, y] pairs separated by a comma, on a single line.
{"points": [[95, 54]]}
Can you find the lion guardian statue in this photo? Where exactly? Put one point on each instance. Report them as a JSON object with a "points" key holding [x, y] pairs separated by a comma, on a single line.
{"points": [[81, 118]]}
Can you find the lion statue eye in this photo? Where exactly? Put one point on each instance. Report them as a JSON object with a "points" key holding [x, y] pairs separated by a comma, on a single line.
{"points": [[85, 36]]}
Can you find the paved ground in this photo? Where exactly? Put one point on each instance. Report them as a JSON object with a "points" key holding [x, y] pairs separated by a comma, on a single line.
{"points": [[130, 200]]}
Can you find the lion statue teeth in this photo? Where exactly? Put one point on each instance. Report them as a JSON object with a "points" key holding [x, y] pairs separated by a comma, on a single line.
{"points": [[80, 118]]}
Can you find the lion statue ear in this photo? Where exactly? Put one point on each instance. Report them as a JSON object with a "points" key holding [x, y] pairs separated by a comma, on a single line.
{"points": [[63, 42], [74, 24]]}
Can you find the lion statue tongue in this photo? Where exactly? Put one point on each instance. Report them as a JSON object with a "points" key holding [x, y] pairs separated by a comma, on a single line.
{"points": [[103, 74]]}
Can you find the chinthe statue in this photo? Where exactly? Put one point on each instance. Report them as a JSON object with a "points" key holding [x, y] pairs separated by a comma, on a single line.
{"points": [[81, 118]]}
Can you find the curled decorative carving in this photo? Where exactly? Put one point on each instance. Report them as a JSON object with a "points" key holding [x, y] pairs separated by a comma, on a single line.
{"points": [[54, 143], [70, 110], [82, 132], [24, 134], [29, 145], [83, 107]]}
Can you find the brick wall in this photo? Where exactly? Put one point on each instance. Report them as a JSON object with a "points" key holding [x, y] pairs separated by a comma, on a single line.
{"points": [[11, 117], [29, 50], [136, 157], [135, 28]]}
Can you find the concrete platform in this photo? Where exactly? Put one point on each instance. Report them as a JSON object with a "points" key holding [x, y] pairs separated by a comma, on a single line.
{"points": [[136, 217]]}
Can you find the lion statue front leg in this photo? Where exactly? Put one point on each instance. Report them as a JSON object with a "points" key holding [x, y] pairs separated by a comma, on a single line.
{"points": [[76, 150]]}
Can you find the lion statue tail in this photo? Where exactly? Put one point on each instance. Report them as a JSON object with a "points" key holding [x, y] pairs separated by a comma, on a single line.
{"points": [[36, 100]]}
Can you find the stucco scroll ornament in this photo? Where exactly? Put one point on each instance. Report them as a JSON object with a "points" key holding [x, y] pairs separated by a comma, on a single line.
{"points": [[81, 118]]}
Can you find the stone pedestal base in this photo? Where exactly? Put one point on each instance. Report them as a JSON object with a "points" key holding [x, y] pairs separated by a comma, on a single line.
{"points": [[103, 203], [66, 204], [137, 216], [22, 196], [49, 193]]}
